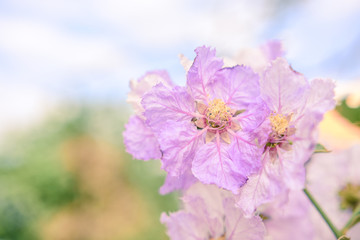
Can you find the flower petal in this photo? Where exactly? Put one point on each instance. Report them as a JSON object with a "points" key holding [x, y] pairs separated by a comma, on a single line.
{"points": [[238, 226], [261, 187], [182, 182], [178, 142], [237, 86], [140, 140], [321, 97], [144, 84], [162, 104], [212, 165], [202, 72], [181, 225], [282, 88]]}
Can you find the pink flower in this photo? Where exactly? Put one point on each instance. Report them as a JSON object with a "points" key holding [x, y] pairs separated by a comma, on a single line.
{"points": [[209, 214], [334, 181], [295, 107], [206, 127], [288, 217]]}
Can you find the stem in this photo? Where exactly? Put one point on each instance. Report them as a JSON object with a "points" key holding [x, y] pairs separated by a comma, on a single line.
{"points": [[336, 232], [355, 218]]}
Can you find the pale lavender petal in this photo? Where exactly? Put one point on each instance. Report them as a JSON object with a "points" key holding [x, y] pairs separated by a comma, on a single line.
{"points": [[202, 72], [261, 187], [305, 138], [162, 104], [253, 117], [298, 228], [179, 142], [245, 153], [182, 182], [182, 225], [237, 86], [292, 167], [282, 88], [213, 165], [212, 196], [140, 141], [198, 206], [321, 98], [139, 87], [285, 219], [238, 226]]}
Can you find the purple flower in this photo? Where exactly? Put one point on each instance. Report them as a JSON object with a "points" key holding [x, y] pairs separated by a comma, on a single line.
{"points": [[138, 137], [295, 108], [288, 221], [334, 180], [209, 214], [206, 127]]}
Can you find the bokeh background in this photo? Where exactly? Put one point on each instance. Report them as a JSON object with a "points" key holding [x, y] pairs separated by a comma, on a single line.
{"points": [[64, 73]]}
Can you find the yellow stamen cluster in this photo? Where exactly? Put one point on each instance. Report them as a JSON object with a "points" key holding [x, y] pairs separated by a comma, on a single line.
{"points": [[218, 111], [279, 123]]}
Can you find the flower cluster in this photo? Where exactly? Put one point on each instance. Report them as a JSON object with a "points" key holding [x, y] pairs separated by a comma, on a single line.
{"points": [[246, 131]]}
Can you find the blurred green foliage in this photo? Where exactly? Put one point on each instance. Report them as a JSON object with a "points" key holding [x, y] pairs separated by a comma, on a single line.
{"points": [[35, 185], [352, 114]]}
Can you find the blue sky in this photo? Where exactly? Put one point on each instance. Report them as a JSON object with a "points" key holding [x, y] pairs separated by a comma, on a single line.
{"points": [[89, 50]]}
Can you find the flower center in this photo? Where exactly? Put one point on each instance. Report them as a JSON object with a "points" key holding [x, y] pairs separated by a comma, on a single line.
{"points": [[350, 196], [279, 123], [218, 114]]}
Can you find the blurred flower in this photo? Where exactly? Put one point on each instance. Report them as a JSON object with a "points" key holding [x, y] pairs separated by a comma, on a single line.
{"points": [[334, 180], [209, 214], [288, 134], [290, 220]]}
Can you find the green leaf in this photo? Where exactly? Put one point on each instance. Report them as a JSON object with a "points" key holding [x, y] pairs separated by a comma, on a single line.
{"points": [[321, 149]]}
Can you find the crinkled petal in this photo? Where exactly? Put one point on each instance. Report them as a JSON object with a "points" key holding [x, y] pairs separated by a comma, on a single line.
{"points": [[182, 182], [238, 226], [293, 169], [283, 89], [261, 187], [179, 142], [237, 86], [245, 153], [212, 165], [181, 225], [162, 104], [253, 117], [198, 206], [212, 196], [141, 86], [202, 72], [305, 138], [140, 140], [321, 97]]}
